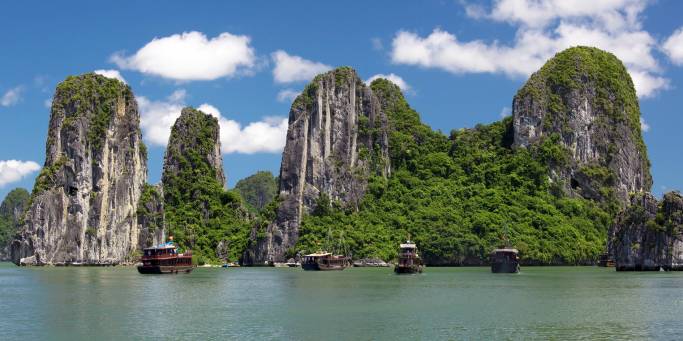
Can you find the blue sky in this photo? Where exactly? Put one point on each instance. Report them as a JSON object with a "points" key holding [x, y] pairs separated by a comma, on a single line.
{"points": [[460, 62]]}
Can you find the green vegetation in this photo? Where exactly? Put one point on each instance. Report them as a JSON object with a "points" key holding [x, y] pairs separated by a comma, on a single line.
{"points": [[456, 195], [258, 190], [199, 211], [11, 211]]}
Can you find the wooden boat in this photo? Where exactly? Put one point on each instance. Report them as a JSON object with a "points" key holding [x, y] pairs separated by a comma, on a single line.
{"points": [[409, 261], [165, 259], [505, 260], [606, 261], [324, 261]]}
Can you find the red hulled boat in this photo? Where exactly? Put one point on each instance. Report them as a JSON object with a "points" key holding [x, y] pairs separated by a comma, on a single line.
{"points": [[165, 259]]}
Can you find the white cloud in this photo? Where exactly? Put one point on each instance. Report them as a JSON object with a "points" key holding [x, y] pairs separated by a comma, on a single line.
{"points": [[673, 47], [266, 136], [115, 74], [290, 68], [47, 103], [191, 56], [287, 95], [14, 170], [643, 125], [543, 29], [157, 118], [11, 96], [393, 78]]}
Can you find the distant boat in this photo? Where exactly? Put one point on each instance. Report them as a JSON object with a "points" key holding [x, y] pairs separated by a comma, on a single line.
{"points": [[292, 263], [409, 261], [505, 260], [163, 259], [324, 261], [606, 261]]}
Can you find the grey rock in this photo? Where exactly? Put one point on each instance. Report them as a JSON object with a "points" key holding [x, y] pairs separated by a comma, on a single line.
{"points": [[83, 205], [150, 214], [648, 235], [595, 119], [333, 126]]}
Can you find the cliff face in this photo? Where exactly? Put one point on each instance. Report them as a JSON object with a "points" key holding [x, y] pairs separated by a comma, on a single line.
{"points": [[195, 138], [11, 213], [199, 212], [583, 99], [83, 205], [150, 215], [648, 235], [337, 137]]}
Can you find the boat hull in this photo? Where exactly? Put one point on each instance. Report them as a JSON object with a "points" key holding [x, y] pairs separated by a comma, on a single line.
{"points": [[408, 269], [318, 267], [510, 268], [162, 269]]}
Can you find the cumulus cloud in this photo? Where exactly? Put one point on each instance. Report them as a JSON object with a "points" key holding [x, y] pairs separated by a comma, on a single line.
{"points": [[191, 56], [290, 68], [11, 96], [287, 95], [393, 78], [157, 118], [266, 136], [543, 29], [14, 170], [115, 74], [673, 47]]}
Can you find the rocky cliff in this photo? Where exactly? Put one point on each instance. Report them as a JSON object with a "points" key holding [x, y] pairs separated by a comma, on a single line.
{"points": [[83, 205], [583, 99], [195, 139], [337, 137], [648, 235], [150, 213], [11, 216], [199, 212]]}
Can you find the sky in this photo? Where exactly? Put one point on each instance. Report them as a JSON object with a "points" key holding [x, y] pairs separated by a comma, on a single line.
{"points": [[458, 62]]}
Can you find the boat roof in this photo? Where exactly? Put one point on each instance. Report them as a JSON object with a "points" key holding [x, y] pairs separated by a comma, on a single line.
{"points": [[408, 245], [505, 250], [318, 254], [166, 245]]}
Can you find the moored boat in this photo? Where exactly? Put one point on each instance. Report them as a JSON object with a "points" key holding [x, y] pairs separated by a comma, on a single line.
{"points": [[164, 258], [606, 261], [505, 260], [323, 261], [409, 261]]}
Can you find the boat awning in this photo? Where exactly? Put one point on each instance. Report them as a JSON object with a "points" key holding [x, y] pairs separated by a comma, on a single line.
{"points": [[505, 250], [408, 246], [318, 254]]}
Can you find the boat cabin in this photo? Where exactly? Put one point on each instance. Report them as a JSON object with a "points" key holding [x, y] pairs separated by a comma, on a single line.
{"points": [[324, 261], [505, 260]]}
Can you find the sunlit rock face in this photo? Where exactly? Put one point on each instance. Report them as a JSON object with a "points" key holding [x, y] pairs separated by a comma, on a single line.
{"points": [[84, 202], [583, 99], [335, 126]]}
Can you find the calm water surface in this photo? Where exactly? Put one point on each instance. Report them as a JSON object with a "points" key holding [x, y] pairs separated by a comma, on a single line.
{"points": [[355, 304]]}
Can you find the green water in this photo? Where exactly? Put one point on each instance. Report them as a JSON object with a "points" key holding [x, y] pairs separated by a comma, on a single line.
{"points": [[355, 304]]}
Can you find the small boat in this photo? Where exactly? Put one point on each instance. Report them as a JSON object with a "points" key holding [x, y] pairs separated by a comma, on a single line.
{"points": [[606, 261], [324, 261], [292, 263], [409, 261], [225, 265], [505, 260], [165, 259]]}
